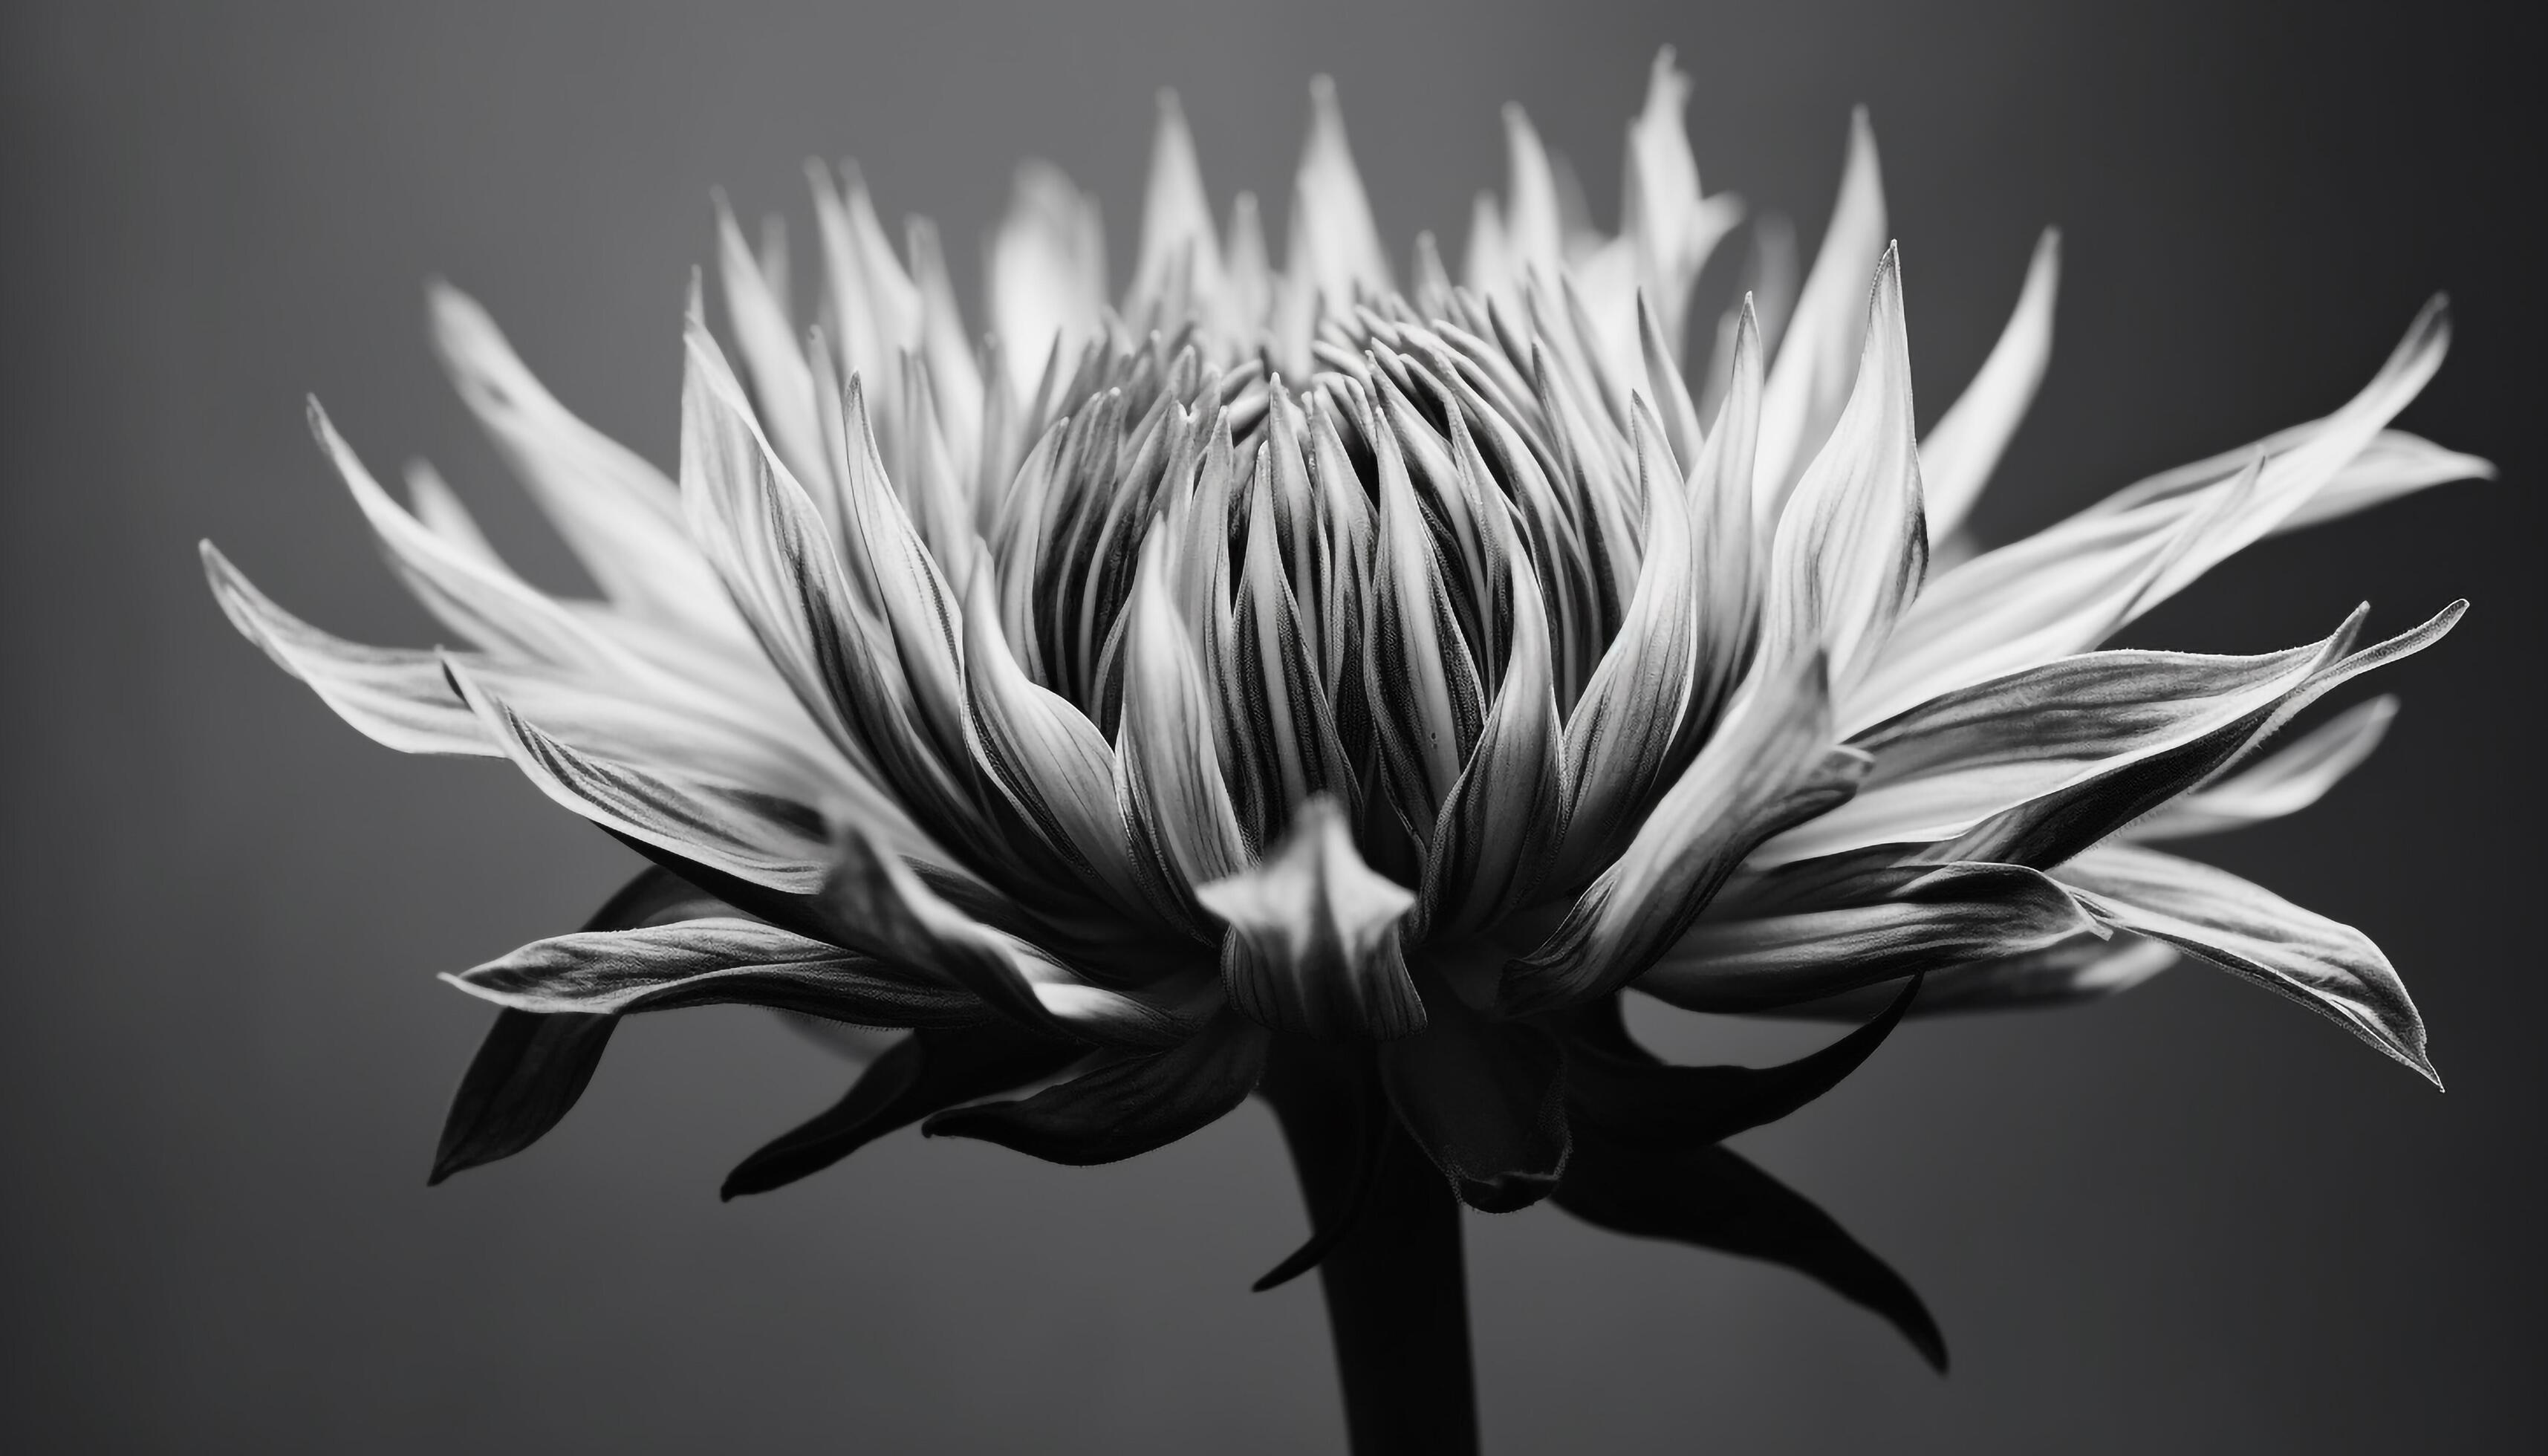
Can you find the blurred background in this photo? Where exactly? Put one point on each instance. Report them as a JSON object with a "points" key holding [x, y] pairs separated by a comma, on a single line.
{"points": [[2193, 1219]]}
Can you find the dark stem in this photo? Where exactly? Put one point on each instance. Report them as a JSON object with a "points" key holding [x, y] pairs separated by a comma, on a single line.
{"points": [[1398, 1302]]}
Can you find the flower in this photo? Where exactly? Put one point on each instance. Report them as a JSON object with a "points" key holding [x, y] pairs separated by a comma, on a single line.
{"points": [[1286, 680]]}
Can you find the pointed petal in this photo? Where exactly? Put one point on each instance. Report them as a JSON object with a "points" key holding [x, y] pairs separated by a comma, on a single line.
{"points": [[718, 961], [2331, 968], [1771, 767], [2081, 969], [2291, 780], [1047, 273], [1176, 226], [1168, 770], [1957, 759], [1618, 1091], [1850, 550], [2394, 464], [1335, 247], [1126, 1107], [1312, 944], [923, 1073], [1713, 1199], [783, 383], [1964, 446], [875, 903], [1937, 920], [1810, 380]]}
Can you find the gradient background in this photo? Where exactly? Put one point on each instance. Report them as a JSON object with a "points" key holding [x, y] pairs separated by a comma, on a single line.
{"points": [[2193, 1219]]}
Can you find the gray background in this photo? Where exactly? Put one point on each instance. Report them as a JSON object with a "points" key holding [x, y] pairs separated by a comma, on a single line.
{"points": [[2193, 1219]]}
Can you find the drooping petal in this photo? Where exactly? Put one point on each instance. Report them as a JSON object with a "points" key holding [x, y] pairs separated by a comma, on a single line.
{"points": [[1485, 1099], [1618, 1091], [1125, 1107], [1771, 767], [1711, 1198], [2248, 931], [2291, 780], [533, 1068], [717, 961], [1964, 446], [1936, 920], [1313, 940], [925, 1072], [1851, 549], [2082, 968]]}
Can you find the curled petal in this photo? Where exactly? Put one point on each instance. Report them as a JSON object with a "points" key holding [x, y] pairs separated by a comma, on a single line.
{"points": [[2331, 968], [1312, 944]]}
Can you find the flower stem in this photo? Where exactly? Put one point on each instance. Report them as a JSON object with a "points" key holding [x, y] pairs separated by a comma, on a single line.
{"points": [[1396, 1293]]}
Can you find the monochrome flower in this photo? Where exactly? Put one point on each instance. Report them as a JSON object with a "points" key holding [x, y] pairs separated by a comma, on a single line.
{"points": [[1325, 672]]}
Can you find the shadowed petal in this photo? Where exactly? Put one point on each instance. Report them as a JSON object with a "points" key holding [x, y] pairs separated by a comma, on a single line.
{"points": [[1312, 944], [1715, 1198], [1485, 1100], [2081, 969], [533, 1068], [925, 1072], [1126, 1107]]}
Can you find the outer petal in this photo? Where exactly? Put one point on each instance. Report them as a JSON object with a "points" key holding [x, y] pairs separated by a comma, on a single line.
{"points": [[2081, 969], [1811, 378], [2332, 969], [2291, 780], [1964, 445], [1312, 944], [713, 963], [1967, 912], [1126, 1107]]}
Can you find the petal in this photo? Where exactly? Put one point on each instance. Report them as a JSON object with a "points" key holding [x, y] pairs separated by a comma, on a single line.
{"points": [[875, 903], [783, 383], [1176, 229], [2394, 464], [620, 516], [1620, 737], [2332, 969], [1964, 446], [531, 1069], [1046, 267], [1168, 771], [2081, 969], [1618, 1091], [2045, 830], [1713, 1199], [1335, 247], [1485, 1100], [754, 836], [2084, 580], [1952, 762], [1810, 380], [923, 1073], [1850, 549], [1771, 767], [1126, 1107], [1312, 944], [717, 961], [2291, 780], [1962, 913]]}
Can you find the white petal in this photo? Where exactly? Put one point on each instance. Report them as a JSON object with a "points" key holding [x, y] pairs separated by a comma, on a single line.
{"points": [[1046, 269], [1312, 944], [2291, 780], [1809, 381], [1963, 447]]}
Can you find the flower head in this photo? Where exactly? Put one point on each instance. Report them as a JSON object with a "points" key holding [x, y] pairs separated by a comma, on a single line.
{"points": [[1318, 658]]}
